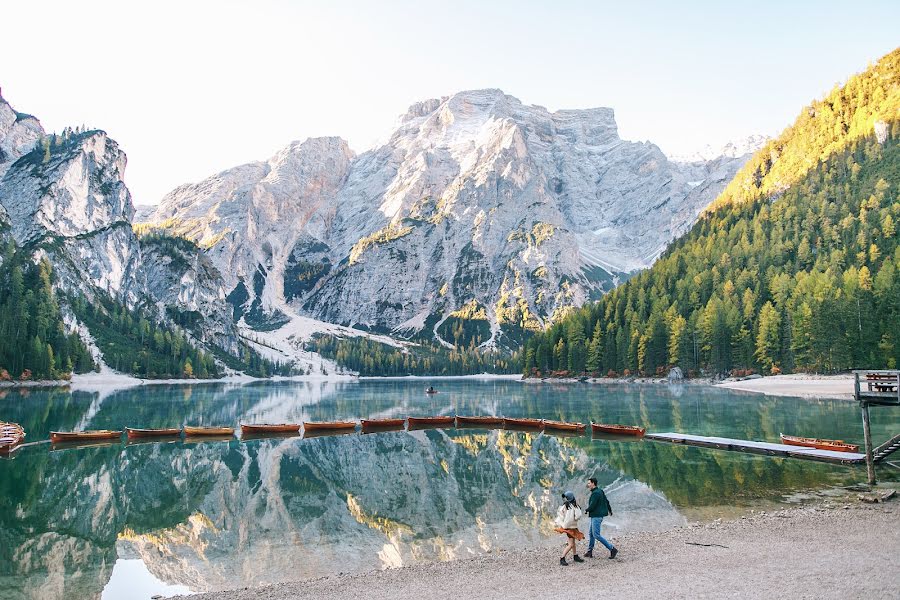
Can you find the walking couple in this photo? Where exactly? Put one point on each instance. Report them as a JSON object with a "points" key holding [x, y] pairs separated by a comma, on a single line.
{"points": [[567, 522]]}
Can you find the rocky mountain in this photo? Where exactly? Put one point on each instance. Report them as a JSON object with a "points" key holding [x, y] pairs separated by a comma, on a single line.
{"points": [[64, 197], [478, 218]]}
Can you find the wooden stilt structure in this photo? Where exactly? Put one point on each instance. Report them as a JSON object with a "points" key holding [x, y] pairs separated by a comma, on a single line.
{"points": [[875, 388]]}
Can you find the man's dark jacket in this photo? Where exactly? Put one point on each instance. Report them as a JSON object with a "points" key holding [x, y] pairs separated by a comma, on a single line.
{"points": [[598, 505]]}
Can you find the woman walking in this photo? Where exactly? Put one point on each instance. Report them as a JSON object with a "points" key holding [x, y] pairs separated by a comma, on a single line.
{"points": [[567, 522]]}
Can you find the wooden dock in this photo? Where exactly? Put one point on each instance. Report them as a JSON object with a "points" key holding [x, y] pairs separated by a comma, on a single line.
{"points": [[766, 448]]}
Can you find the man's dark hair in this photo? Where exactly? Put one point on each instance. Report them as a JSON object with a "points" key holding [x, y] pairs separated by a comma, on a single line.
{"points": [[593, 480]]}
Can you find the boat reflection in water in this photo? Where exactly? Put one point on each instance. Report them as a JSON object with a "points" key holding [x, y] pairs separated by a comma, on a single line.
{"points": [[223, 514]]}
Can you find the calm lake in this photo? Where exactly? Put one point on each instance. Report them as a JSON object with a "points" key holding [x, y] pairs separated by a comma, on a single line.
{"points": [[134, 520]]}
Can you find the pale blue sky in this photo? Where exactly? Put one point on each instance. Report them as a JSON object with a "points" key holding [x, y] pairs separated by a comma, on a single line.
{"points": [[189, 88]]}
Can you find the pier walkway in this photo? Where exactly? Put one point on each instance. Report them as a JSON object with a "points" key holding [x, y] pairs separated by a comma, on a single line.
{"points": [[767, 448]]}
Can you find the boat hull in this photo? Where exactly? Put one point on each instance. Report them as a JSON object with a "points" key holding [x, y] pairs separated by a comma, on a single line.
{"points": [[482, 422], [253, 429], [11, 437], [833, 445], [84, 436], [525, 424], [629, 430], [208, 431], [133, 433], [430, 422], [383, 423], [564, 426]]}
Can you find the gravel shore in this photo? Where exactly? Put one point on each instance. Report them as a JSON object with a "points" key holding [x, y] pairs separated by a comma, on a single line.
{"points": [[804, 386], [819, 551]]}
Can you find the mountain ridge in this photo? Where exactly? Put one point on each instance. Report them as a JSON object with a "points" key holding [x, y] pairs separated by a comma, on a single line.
{"points": [[430, 197]]}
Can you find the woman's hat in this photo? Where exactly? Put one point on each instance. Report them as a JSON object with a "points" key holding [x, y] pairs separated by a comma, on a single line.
{"points": [[569, 496]]}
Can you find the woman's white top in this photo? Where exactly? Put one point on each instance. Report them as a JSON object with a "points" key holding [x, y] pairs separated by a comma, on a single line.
{"points": [[568, 518]]}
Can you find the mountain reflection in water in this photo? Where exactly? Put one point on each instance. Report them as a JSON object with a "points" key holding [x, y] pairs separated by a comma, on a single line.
{"points": [[215, 515]]}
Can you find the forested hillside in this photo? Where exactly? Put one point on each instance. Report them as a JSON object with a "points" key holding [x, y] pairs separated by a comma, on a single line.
{"points": [[793, 268], [370, 358], [34, 341]]}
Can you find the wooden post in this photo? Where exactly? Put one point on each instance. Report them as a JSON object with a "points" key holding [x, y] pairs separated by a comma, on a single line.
{"points": [[867, 433]]}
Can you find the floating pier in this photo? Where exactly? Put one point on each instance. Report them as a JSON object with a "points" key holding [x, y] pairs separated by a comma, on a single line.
{"points": [[766, 448]]}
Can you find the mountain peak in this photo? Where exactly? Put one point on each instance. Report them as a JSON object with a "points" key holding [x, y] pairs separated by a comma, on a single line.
{"points": [[732, 149]]}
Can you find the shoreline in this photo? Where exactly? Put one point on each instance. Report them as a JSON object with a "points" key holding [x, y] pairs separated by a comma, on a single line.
{"points": [[794, 385], [823, 550], [799, 385]]}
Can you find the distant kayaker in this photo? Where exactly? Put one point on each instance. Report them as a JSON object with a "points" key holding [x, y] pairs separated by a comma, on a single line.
{"points": [[430, 390], [567, 522], [598, 507]]}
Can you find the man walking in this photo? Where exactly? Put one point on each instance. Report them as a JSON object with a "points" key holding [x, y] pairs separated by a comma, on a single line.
{"points": [[598, 507]]}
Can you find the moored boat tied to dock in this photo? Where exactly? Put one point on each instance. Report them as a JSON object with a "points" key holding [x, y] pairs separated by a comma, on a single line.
{"points": [[11, 436], [207, 431], [483, 422], [72, 436], [563, 426], [382, 424], [262, 428], [516, 423], [632, 430], [430, 422], [134, 432], [833, 445]]}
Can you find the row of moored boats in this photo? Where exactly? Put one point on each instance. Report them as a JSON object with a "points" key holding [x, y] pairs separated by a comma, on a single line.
{"points": [[311, 427], [12, 435]]}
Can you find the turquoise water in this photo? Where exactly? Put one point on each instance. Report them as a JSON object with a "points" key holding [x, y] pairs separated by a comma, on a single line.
{"points": [[130, 521]]}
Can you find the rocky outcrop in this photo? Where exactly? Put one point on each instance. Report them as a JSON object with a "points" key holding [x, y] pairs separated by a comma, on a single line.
{"points": [[18, 134], [66, 199], [480, 215], [251, 219]]}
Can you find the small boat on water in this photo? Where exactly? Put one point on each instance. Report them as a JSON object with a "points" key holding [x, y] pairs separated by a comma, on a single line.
{"points": [[430, 390], [510, 423], [255, 429], [134, 432], [328, 425], [383, 423], [82, 436], [484, 422], [834, 445], [563, 426], [430, 422], [11, 435], [208, 431], [618, 429]]}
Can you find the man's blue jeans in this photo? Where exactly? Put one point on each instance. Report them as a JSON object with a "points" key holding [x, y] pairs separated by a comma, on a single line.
{"points": [[596, 522]]}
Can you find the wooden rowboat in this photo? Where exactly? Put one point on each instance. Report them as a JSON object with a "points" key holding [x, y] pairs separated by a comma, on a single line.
{"points": [[254, 428], [208, 431], [563, 426], [430, 422], [834, 445], [328, 425], [72, 436], [483, 422], [133, 432], [618, 429], [11, 435], [383, 423], [509, 423]]}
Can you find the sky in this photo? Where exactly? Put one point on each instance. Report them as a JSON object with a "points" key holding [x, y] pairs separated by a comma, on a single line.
{"points": [[192, 87]]}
